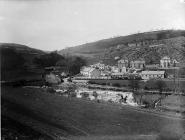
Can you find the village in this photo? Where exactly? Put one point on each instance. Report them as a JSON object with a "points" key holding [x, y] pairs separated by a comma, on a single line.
{"points": [[130, 84], [141, 80], [126, 69]]}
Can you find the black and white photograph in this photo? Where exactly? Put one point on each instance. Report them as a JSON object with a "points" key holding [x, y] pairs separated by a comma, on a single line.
{"points": [[92, 69]]}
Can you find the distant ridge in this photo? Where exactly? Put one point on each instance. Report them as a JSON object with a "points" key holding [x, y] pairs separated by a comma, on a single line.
{"points": [[105, 50], [20, 47]]}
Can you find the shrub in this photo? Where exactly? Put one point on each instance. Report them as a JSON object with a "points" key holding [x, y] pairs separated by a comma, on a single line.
{"points": [[95, 94]]}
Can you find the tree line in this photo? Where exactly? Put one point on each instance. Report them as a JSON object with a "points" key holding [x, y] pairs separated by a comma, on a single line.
{"points": [[68, 64]]}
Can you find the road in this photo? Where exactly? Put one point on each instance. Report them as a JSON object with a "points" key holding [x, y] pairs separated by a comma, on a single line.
{"points": [[72, 117]]}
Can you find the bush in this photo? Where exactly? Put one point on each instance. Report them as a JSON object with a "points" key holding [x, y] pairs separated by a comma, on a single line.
{"points": [[95, 94]]}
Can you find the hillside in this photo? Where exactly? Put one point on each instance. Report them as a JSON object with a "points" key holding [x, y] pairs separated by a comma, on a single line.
{"points": [[23, 50], [148, 45], [17, 61]]}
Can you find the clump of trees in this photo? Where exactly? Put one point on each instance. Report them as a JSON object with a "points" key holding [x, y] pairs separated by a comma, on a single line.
{"points": [[71, 64], [159, 85], [151, 84], [48, 60]]}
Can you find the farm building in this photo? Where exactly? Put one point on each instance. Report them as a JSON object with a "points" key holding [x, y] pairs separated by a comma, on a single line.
{"points": [[138, 64], [114, 69], [90, 72], [122, 65], [152, 74], [165, 62], [52, 78]]}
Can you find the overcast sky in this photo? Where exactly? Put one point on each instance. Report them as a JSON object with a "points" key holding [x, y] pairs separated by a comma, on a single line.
{"points": [[56, 24]]}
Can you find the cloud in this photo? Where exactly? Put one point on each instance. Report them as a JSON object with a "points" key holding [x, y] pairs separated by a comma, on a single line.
{"points": [[54, 24], [182, 1], [1, 18]]}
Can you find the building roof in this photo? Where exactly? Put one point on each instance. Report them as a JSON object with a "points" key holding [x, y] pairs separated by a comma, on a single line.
{"points": [[92, 69], [123, 61], [166, 58], [152, 72], [138, 61]]}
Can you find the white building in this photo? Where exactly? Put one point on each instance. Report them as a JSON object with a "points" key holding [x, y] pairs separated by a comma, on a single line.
{"points": [[123, 65], [152, 74], [90, 72], [137, 64], [52, 78], [99, 66], [114, 69], [116, 58], [165, 62]]}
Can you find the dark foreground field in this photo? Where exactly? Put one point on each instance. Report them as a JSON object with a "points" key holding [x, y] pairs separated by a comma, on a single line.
{"points": [[82, 119], [12, 130]]}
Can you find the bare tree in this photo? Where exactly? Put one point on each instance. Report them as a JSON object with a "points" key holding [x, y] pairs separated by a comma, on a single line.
{"points": [[160, 85]]}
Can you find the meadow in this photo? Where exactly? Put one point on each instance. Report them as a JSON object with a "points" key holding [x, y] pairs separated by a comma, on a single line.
{"points": [[80, 118]]}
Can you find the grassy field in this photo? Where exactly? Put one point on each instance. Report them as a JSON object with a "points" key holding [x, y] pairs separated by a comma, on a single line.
{"points": [[126, 83], [15, 75], [11, 129], [79, 117]]}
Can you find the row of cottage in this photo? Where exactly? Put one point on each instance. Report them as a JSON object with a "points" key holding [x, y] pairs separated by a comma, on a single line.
{"points": [[125, 67]]}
